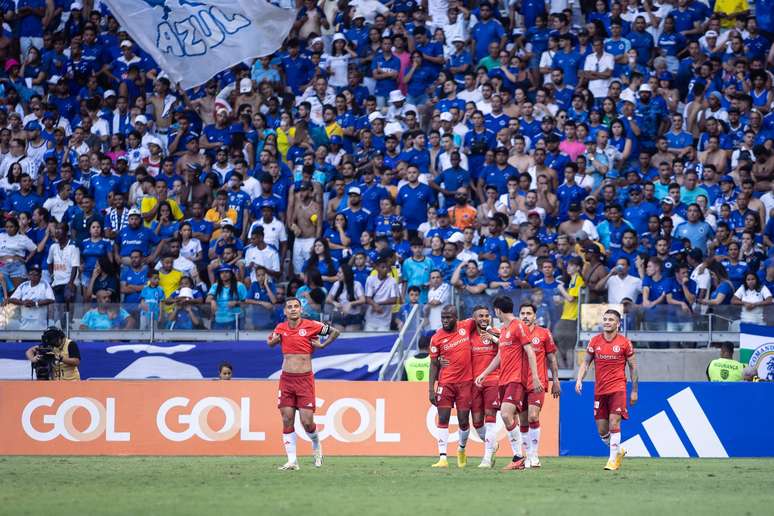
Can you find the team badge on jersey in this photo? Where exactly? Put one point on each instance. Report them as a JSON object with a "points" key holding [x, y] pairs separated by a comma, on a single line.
{"points": [[535, 340], [616, 349], [433, 349], [461, 331], [302, 332]]}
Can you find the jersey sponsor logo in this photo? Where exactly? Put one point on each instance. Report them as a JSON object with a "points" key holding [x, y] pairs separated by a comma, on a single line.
{"points": [[667, 442]]}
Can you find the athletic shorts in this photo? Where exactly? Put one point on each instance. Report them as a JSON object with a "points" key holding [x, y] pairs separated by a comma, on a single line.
{"points": [[486, 397], [512, 393], [532, 398], [612, 403], [458, 395], [296, 390]]}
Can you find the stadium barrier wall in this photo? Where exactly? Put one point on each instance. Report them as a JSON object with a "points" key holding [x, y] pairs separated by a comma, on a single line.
{"points": [[352, 358], [677, 420], [225, 418]]}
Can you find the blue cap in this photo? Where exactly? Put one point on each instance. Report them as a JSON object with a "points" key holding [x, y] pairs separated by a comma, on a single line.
{"points": [[225, 268], [268, 203], [612, 174], [442, 212], [337, 140], [665, 76], [236, 129], [32, 125], [726, 179], [635, 188], [47, 115]]}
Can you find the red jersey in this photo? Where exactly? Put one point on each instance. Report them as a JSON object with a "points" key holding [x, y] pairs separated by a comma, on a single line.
{"points": [[454, 346], [482, 351], [298, 340], [512, 341], [609, 363], [543, 343]]}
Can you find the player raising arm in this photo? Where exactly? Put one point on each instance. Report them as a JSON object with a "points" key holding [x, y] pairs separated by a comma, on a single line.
{"points": [[513, 346], [532, 402], [455, 383], [611, 353], [299, 337]]}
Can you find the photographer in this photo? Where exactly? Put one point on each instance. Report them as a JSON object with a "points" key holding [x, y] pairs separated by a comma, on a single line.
{"points": [[56, 357]]}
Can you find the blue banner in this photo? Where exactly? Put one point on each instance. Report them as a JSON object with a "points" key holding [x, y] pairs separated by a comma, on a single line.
{"points": [[677, 420], [345, 359]]}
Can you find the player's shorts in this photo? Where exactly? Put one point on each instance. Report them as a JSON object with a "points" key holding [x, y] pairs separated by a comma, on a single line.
{"points": [[512, 393], [486, 397], [296, 390], [612, 403], [458, 395], [532, 398]]}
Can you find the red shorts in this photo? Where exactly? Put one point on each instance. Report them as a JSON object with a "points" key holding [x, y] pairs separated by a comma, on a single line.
{"points": [[458, 395], [296, 390], [612, 403], [512, 393], [485, 397], [532, 398]]}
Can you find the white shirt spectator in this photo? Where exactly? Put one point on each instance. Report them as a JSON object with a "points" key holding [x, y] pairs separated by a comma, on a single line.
{"points": [[473, 95], [63, 259], [31, 317], [593, 63], [620, 288], [274, 232], [380, 290], [18, 245], [57, 207], [754, 315], [442, 294], [191, 248], [268, 258]]}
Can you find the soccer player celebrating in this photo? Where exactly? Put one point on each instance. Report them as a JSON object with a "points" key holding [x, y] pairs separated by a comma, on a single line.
{"points": [[299, 338], [513, 346], [610, 352], [455, 384], [486, 402], [532, 402]]}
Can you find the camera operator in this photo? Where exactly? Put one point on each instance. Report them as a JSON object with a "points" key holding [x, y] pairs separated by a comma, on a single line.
{"points": [[56, 357]]}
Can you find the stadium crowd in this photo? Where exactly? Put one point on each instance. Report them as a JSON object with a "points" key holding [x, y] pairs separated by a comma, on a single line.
{"points": [[389, 155]]}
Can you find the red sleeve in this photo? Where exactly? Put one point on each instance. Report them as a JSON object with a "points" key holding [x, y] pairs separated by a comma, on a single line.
{"points": [[550, 344], [469, 325], [590, 347], [433, 348], [629, 349]]}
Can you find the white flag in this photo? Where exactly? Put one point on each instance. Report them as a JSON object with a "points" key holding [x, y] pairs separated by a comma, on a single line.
{"points": [[192, 41]]}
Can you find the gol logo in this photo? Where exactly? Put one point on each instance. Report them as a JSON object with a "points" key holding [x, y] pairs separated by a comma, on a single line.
{"points": [[236, 420], [102, 420], [371, 421]]}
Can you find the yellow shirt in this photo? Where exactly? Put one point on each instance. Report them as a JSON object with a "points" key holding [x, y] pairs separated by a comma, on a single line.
{"points": [[334, 130], [169, 281], [730, 7], [213, 216], [570, 308], [283, 140], [148, 203]]}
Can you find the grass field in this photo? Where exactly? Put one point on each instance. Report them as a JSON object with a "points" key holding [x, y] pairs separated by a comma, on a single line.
{"points": [[396, 486]]}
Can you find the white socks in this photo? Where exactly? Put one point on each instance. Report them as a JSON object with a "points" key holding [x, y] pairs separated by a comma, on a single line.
{"points": [[315, 438], [289, 440], [515, 438], [490, 439], [481, 431], [464, 434], [443, 440], [534, 441], [527, 441], [615, 444]]}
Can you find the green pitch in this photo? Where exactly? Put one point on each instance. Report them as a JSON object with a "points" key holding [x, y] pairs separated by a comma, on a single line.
{"points": [[393, 486]]}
